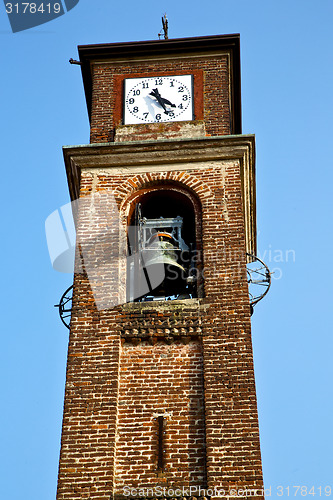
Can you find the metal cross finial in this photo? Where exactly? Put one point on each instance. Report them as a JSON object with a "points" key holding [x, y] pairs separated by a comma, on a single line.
{"points": [[165, 27]]}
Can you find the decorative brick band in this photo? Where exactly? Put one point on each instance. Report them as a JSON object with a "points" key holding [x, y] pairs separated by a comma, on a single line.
{"points": [[183, 326], [177, 322], [167, 337]]}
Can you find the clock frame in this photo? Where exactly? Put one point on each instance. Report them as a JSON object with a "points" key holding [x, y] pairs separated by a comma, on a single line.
{"points": [[156, 99]]}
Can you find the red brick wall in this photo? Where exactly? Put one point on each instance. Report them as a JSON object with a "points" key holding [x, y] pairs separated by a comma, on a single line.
{"points": [[211, 86], [165, 378], [113, 391]]}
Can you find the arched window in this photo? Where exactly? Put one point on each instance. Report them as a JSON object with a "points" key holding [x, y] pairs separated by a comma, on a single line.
{"points": [[164, 245]]}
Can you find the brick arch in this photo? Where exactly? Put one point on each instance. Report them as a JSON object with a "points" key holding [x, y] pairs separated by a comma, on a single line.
{"points": [[127, 204], [148, 180]]}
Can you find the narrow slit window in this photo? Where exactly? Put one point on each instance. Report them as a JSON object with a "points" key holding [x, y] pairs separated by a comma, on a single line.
{"points": [[160, 442]]}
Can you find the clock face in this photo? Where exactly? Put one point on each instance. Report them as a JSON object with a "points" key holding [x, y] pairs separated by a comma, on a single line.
{"points": [[158, 99]]}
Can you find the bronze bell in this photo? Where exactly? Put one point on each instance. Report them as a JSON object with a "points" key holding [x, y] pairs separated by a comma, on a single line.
{"points": [[162, 251]]}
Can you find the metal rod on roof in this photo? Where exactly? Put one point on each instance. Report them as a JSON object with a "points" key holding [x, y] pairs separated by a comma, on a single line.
{"points": [[165, 29]]}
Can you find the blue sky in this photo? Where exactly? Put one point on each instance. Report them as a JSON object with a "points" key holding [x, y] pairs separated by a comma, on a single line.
{"points": [[287, 82]]}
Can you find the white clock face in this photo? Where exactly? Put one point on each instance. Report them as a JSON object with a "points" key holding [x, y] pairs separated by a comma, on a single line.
{"points": [[158, 99]]}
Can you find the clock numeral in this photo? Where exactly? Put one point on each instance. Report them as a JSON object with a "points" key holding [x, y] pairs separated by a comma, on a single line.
{"points": [[158, 117], [145, 85], [135, 109], [145, 115], [171, 114], [181, 106], [159, 81], [172, 83], [131, 100], [180, 89], [185, 97], [136, 92]]}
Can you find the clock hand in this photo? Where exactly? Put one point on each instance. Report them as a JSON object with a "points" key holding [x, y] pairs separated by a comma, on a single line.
{"points": [[168, 102], [155, 93]]}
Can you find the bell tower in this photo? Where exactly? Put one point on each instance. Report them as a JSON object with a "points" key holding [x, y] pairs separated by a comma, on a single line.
{"points": [[160, 394]]}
